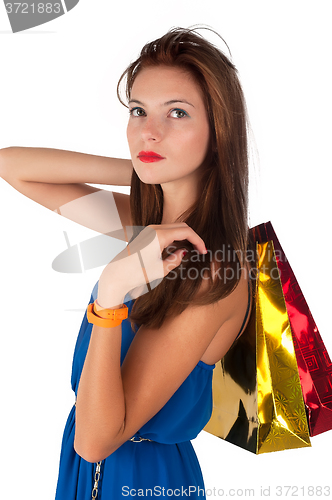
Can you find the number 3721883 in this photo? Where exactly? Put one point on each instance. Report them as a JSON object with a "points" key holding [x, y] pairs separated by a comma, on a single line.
{"points": [[301, 491], [33, 8]]}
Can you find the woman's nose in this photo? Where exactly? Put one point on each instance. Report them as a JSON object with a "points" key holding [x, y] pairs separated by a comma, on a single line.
{"points": [[152, 130]]}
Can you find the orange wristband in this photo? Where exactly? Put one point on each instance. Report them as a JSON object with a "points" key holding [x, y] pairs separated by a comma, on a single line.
{"points": [[114, 316], [119, 313]]}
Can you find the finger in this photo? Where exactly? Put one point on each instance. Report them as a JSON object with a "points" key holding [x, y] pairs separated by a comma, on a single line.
{"points": [[182, 233]]}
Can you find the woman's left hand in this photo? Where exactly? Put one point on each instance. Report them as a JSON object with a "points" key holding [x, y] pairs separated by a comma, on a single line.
{"points": [[141, 261]]}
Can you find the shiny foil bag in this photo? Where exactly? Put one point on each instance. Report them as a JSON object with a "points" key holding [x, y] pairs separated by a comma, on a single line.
{"points": [[257, 394], [314, 363]]}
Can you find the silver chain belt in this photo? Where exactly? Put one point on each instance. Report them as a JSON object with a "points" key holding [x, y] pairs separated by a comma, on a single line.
{"points": [[139, 439], [96, 478], [98, 465]]}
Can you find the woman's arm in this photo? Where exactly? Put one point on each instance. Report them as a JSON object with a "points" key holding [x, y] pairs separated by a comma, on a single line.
{"points": [[57, 180], [113, 401], [57, 166]]}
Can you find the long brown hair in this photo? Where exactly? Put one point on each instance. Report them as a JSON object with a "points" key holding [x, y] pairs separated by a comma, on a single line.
{"points": [[219, 215]]}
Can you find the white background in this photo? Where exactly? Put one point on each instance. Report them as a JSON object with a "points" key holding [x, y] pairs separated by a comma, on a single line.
{"points": [[58, 90]]}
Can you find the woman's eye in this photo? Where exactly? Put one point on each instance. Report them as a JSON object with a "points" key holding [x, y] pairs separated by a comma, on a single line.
{"points": [[136, 112], [178, 113]]}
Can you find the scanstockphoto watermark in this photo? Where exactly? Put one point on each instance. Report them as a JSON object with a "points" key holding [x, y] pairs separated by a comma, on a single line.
{"points": [[258, 492], [186, 492], [225, 263], [235, 264]]}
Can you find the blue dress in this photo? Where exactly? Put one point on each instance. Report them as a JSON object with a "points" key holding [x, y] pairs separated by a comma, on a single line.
{"points": [[148, 468]]}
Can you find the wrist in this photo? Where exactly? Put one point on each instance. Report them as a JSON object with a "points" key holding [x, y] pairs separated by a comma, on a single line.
{"points": [[99, 307], [109, 297], [118, 279]]}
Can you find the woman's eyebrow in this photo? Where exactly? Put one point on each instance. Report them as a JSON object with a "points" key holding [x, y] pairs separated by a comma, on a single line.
{"points": [[173, 101]]}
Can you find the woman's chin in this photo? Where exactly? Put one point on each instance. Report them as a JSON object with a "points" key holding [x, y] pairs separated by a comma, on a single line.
{"points": [[149, 178]]}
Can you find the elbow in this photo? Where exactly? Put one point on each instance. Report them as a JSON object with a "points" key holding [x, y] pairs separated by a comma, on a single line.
{"points": [[2, 163], [89, 455], [5, 161], [93, 450], [89, 452]]}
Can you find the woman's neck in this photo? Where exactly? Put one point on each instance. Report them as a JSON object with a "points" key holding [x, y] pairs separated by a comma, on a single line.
{"points": [[177, 198], [174, 206]]}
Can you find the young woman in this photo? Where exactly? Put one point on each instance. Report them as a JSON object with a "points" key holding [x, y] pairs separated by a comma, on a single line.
{"points": [[143, 382]]}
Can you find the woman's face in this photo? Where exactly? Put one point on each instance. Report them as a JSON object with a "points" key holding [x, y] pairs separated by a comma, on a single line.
{"points": [[167, 118]]}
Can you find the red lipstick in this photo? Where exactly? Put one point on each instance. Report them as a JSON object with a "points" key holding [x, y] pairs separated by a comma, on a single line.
{"points": [[149, 156]]}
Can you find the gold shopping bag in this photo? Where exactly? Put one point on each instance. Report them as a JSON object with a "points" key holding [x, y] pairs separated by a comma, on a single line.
{"points": [[257, 397]]}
